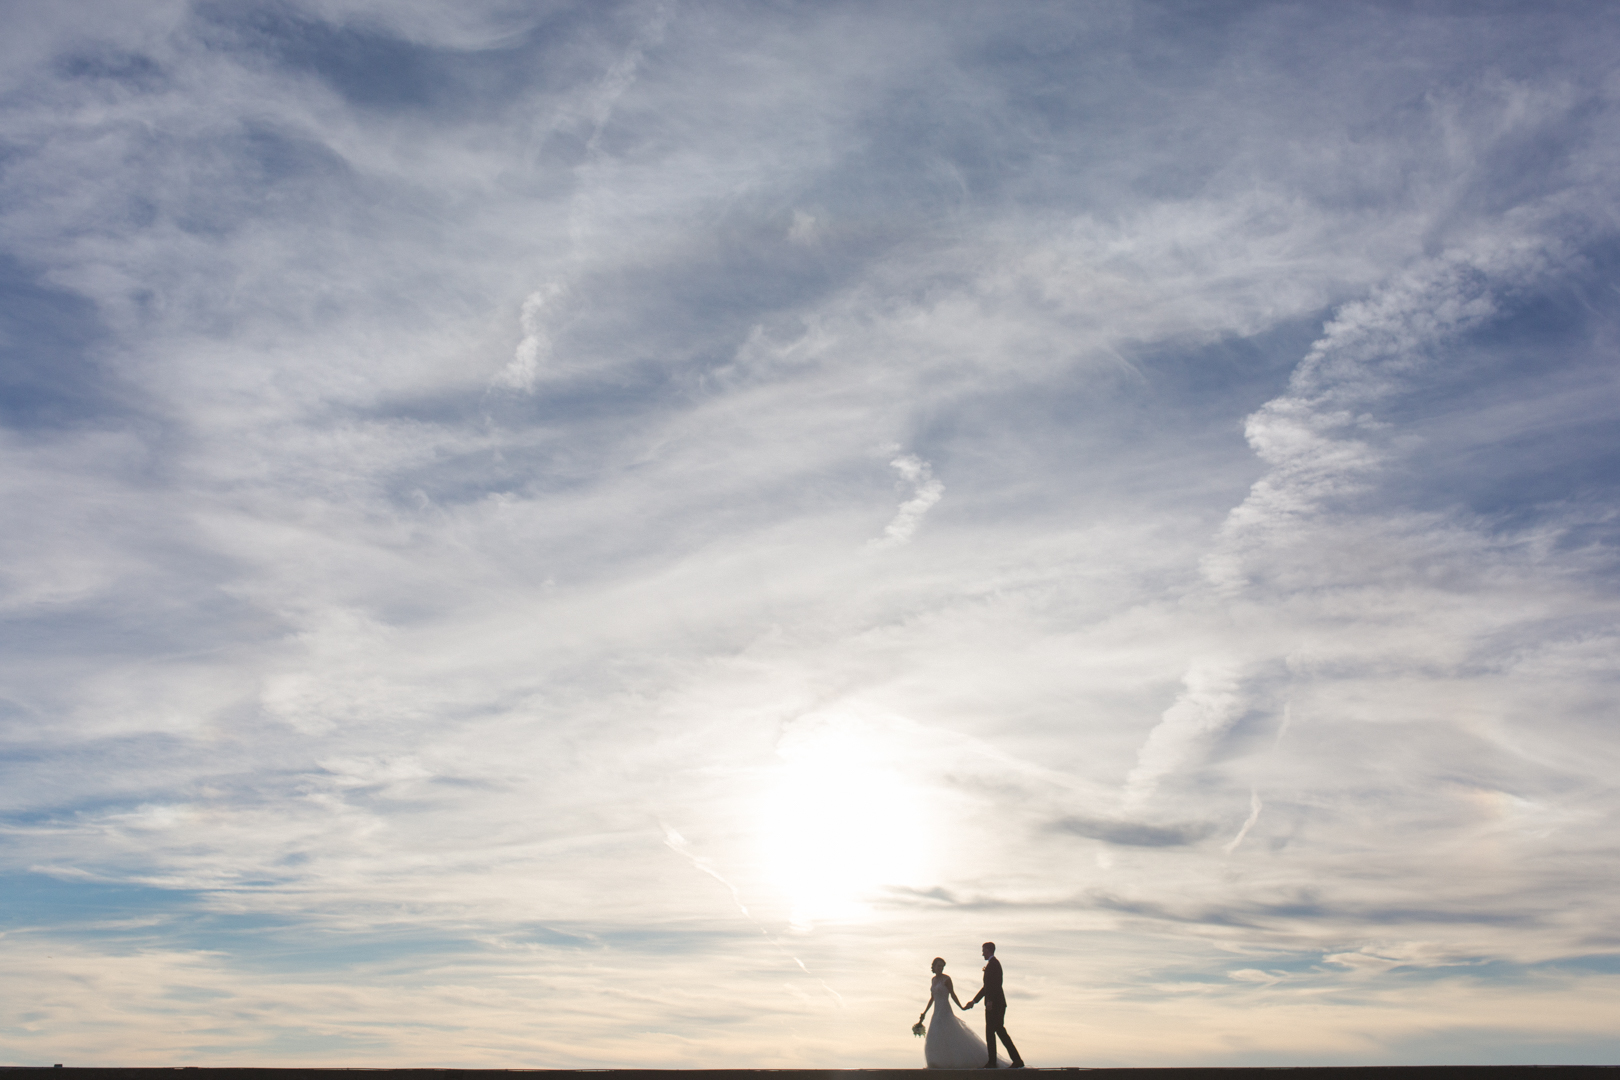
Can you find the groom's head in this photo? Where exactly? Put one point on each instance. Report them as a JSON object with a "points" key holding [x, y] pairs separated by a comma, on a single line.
{"points": [[989, 949]]}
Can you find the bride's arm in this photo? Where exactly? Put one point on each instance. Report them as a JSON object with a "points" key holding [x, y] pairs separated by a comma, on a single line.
{"points": [[954, 998], [925, 1009]]}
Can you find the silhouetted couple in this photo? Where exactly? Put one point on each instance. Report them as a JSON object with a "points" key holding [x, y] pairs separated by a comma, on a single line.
{"points": [[951, 1043]]}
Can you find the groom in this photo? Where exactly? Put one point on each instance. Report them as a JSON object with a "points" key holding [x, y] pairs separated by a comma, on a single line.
{"points": [[995, 1009]]}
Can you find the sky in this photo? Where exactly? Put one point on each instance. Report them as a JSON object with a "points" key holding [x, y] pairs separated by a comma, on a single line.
{"points": [[586, 535]]}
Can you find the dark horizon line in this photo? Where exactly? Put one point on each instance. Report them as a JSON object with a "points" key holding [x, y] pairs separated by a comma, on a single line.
{"points": [[1225, 1072]]}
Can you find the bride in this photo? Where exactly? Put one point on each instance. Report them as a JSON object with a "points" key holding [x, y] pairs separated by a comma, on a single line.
{"points": [[951, 1044]]}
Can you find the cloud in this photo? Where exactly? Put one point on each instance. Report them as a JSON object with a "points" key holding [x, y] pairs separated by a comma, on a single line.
{"points": [[1132, 834], [1322, 443], [926, 492], [535, 348], [804, 228], [1255, 806], [1211, 703]]}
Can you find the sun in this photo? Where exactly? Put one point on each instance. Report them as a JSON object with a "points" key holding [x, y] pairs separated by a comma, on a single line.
{"points": [[839, 819]]}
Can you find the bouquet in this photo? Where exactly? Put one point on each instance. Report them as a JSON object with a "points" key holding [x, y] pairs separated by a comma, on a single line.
{"points": [[918, 1030]]}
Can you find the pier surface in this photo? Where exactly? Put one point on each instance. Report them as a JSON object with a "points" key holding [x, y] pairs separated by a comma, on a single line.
{"points": [[1405, 1072]]}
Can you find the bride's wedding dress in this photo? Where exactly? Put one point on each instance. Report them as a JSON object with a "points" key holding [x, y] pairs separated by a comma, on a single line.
{"points": [[951, 1044]]}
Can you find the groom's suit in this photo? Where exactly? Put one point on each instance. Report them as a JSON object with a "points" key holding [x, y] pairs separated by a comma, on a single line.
{"points": [[995, 1012]]}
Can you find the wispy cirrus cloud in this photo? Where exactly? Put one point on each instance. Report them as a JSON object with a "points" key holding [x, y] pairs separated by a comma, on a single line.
{"points": [[926, 491]]}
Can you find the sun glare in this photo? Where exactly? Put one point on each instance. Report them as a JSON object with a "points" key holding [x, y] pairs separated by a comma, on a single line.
{"points": [[840, 821]]}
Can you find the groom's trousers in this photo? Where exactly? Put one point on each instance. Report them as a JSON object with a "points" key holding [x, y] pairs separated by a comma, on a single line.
{"points": [[995, 1023]]}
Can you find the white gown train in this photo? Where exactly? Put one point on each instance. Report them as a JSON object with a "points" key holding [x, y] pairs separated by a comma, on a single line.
{"points": [[951, 1043]]}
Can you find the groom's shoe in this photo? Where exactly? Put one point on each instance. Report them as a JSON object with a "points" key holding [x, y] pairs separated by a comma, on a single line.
{"points": [[1016, 1065]]}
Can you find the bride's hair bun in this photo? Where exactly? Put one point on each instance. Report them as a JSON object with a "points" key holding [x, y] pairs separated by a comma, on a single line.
{"points": [[939, 960]]}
